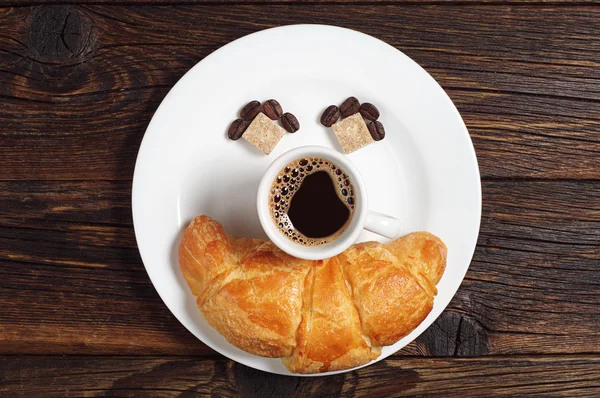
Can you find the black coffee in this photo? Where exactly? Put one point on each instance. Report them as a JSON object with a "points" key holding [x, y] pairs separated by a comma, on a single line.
{"points": [[312, 201]]}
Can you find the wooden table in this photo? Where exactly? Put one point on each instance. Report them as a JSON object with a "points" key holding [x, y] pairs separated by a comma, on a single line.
{"points": [[78, 86]]}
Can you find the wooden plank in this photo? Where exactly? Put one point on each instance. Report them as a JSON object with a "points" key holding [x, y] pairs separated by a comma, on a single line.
{"points": [[75, 282], [192, 376], [524, 78], [22, 3]]}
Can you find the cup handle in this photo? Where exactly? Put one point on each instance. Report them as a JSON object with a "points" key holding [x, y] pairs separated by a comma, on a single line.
{"points": [[382, 225]]}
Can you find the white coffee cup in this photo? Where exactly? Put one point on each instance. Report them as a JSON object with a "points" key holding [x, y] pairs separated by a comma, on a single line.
{"points": [[361, 218]]}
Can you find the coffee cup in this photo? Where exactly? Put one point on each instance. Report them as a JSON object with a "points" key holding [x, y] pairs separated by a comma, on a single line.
{"points": [[294, 186]]}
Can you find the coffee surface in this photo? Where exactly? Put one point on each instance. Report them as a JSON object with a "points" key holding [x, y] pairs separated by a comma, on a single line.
{"points": [[312, 201], [316, 210]]}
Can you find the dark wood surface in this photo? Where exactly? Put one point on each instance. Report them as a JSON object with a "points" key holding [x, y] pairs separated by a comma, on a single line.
{"points": [[78, 85]]}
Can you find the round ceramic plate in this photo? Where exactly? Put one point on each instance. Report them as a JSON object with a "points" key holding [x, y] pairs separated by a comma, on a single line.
{"points": [[424, 172]]}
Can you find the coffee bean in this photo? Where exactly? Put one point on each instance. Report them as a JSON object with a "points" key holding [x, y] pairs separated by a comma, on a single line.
{"points": [[330, 116], [272, 109], [377, 131], [289, 122], [250, 111], [237, 128], [369, 111], [349, 107]]}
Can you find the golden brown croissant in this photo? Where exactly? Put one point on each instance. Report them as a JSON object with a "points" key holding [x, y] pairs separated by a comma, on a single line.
{"points": [[316, 316]]}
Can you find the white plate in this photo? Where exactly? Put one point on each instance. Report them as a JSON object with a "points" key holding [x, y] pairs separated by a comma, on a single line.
{"points": [[424, 172]]}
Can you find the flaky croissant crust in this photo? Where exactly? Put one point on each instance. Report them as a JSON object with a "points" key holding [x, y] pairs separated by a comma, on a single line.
{"points": [[316, 316]]}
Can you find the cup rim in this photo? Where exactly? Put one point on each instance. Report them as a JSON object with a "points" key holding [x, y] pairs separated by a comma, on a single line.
{"points": [[328, 250]]}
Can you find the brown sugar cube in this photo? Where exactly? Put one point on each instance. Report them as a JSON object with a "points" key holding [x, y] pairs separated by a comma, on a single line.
{"points": [[264, 133], [352, 133]]}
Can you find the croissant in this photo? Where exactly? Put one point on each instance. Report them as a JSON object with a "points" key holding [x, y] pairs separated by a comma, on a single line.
{"points": [[316, 316]]}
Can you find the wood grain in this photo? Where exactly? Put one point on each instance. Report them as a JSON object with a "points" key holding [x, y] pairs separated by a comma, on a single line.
{"points": [[189, 376], [546, 3], [68, 250], [524, 78]]}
